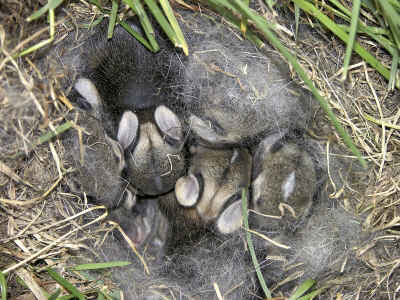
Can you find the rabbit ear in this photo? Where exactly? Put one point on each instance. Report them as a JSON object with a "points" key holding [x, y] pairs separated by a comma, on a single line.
{"points": [[168, 122], [88, 91], [288, 185], [128, 129], [203, 130], [118, 152], [129, 200], [263, 149], [187, 190], [230, 219]]}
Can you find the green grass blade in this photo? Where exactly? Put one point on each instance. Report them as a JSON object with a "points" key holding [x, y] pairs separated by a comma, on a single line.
{"points": [[67, 297], [45, 42], [51, 4], [113, 19], [3, 286], [297, 19], [243, 20], [47, 137], [312, 10], [311, 295], [340, 6], [55, 295], [159, 16], [235, 22], [94, 23], [136, 35], [395, 67], [251, 247], [223, 3], [392, 18], [262, 25], [395, 4], [181, 42], [271, 3], [352, 36], [345, 15], [376, 34], [57, 131], [97, 266], [35, 47], [137, 7], [304, 287], [66, 284], [97, 3], [100, 296]]}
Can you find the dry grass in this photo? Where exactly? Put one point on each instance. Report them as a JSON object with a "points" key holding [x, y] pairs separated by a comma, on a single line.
{"points": [[42, 224]]}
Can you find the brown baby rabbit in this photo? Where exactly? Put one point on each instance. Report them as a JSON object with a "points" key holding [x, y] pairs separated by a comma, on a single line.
{"points": [[214, 184], [284, 181], [153, 142]]}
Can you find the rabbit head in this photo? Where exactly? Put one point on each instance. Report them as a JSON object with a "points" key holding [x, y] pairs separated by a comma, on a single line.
{"points": [[234, 93], [153, 142], [284, 180], [214, 184], [97, 158]]}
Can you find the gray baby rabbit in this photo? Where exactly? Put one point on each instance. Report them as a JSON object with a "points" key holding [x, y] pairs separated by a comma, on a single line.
{"points": [[127, 75], [189, 270], [231, 93], [143, 223], [97, 158], [152, 140], [235, 94]]}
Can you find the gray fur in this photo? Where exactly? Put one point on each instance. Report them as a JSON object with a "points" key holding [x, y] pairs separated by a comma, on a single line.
{"points": [[318, 249], [128, 75], [100, 160], [234, 92], [186, 271]]}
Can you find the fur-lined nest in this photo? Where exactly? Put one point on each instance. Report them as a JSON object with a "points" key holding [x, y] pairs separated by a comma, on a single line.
{"points": [[42, 224]]}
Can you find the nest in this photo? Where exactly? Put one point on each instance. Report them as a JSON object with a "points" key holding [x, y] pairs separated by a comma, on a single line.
{"points": [[42, 224]]}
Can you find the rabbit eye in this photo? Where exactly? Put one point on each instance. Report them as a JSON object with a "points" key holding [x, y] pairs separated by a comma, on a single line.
{"points": [[214, 125], [171, 141], [258, 202]]}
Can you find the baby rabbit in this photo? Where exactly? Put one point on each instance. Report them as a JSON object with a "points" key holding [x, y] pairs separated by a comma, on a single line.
{"points": [[97, 159], [230, 92], [134, 84], [153, 142], [289, 182], [143, 223], [188, 270], [284, 181], [127, 75], [214, 184], [234, 93]]}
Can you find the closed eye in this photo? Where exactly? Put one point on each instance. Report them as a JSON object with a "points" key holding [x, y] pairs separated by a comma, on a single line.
{"points": [[216, 127]]}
